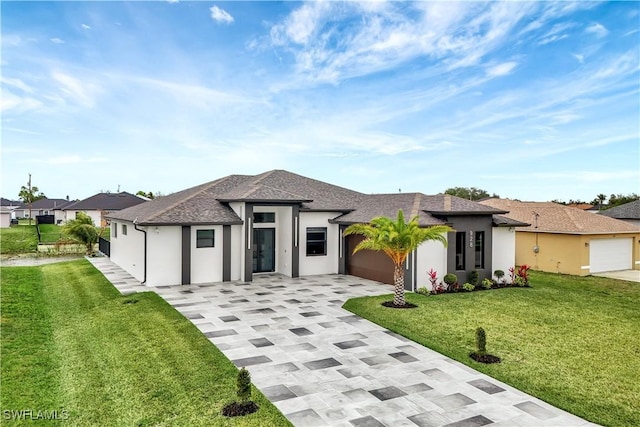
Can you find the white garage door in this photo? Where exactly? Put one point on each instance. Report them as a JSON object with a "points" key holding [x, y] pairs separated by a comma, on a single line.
{"points": [[610, 254]]}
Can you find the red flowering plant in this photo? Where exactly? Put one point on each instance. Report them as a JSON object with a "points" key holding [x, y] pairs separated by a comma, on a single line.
{"points": [[523, 273], [512, 274], [433, 278]]}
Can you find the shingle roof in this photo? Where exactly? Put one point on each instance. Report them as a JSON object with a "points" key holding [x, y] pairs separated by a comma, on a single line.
{"points": [[629, 210], [548, 217], [431, 210], [49, 204], [7, 202], [106, 202], [503, 221], [208, 203]]}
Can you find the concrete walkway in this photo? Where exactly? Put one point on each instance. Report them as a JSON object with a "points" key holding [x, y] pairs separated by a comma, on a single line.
{"points": [[321, 365], [628, 275]]}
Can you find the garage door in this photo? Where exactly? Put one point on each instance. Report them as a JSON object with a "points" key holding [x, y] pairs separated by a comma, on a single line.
{"points": [[372, 265], [610, 254]]}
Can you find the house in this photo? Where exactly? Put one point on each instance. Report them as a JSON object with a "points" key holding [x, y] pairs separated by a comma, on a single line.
{"points": [[100, 205], [41, 207], [563, 239], [629, 212], [5, 217], [278, 221], [11, 205]]}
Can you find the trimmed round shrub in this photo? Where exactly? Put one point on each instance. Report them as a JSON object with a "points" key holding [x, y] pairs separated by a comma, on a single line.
{"points": [[450, 279]]}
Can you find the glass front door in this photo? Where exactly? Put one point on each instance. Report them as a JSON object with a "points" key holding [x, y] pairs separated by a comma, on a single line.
{"points": [[264, 250]]}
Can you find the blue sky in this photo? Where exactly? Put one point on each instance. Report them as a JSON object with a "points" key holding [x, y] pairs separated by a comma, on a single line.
{"points": [[529, 100]]}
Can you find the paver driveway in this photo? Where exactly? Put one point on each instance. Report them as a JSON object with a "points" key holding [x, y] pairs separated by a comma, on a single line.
{"points": [[322, 365]]}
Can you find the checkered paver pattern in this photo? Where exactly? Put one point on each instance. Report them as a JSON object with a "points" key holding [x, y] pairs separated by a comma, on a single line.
{"points": [[321, 365]]}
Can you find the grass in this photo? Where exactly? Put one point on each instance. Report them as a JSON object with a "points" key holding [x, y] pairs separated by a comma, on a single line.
{"points": [[571, 341], [18, 239], [51, 233], [71, 343]]}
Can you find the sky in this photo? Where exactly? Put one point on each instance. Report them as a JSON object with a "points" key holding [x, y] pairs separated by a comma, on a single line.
{"points": [[528, 100]]}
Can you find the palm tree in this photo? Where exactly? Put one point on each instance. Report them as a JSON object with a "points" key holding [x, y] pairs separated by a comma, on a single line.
{"points": [[83, 230], [397, 239]]}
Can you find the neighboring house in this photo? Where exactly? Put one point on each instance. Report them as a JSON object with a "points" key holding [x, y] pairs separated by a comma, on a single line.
{"points": [[101, 205], [5, 217], [41, 207], [241, 225], [12, 205], [567, 240], [629, 212]]}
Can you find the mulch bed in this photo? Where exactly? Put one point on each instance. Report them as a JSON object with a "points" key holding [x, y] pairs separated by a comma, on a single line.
{"points": [[484, 358], [239, 409], [390, 304]]}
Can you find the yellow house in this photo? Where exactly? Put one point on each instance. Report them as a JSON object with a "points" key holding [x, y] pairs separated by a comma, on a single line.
{"points": [[563, 239]]}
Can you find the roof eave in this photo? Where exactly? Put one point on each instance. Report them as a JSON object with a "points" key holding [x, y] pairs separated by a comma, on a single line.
{"points": [[267, 201]]}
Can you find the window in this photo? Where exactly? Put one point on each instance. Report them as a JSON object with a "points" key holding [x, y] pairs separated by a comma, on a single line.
{"points": [[124, 229], [460, 250], [264, 217], [114, 229], [316, 241], [205, 238], [479, 249]]}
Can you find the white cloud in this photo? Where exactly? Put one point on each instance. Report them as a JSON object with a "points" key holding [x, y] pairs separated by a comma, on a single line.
{"points": [[18, 104], [501, 69], [579, 57], [56, 40], [220, 15], [70, 159], [86, 27], [597, 29], [17, 83], [82, 92]]}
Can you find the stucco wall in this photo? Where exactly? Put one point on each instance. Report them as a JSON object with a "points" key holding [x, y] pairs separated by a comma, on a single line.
{"points": [[319, 264], [503, 251], [557, 253], [470, 224], [96, 216], [127, 251], [164, 255], [206, 263], [237, 252], [5, 219], [430, 255]]}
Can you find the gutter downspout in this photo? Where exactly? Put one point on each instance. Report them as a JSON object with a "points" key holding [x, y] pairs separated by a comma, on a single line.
{"points": [[135, 226]]}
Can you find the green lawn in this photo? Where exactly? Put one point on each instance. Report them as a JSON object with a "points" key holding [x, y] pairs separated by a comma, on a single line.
{"points": [[571, 341], [71, 343], [51, 233], [18, 239]]}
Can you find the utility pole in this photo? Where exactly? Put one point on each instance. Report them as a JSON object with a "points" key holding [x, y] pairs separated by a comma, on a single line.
{"points": [[30, 198]]}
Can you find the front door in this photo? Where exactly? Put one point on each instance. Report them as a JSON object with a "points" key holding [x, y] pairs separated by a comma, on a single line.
{"points": [[264, 250]]}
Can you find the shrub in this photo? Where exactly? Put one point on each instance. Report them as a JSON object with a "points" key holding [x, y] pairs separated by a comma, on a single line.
{"points": [[439, 288], [468, 287], [499, 275], [512, 274], [244, 385], [424, 291], [519, 281], [450, 279], [523, 273], [481, 341], [487, 283], [474, 277]]}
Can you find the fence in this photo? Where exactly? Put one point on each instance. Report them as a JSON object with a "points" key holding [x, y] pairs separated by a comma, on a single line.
{"points": [[104, 246]]}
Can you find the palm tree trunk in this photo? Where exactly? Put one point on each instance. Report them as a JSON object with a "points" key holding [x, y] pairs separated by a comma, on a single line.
{"points": [[398, 280]]}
